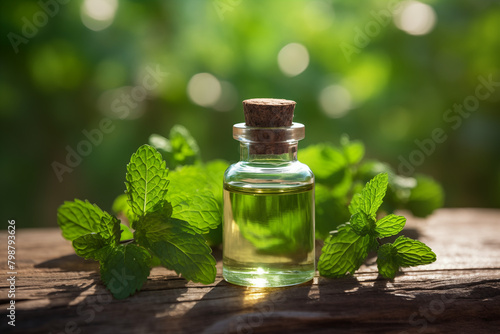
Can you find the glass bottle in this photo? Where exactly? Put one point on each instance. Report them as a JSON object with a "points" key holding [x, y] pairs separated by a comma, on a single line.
{"points": [[268, 231]]}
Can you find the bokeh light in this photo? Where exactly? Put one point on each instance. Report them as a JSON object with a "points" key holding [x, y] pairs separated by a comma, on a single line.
{"points": [[293, 59], [204, 89], [415, 18], [98, 14], [77, 67], [335, 101]]}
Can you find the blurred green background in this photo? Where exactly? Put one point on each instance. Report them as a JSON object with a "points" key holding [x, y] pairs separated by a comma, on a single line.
{"points": [[384, 75]]}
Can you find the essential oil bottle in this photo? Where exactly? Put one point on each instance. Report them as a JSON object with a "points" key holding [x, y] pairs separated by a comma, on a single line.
{"points": [[268, 231]]}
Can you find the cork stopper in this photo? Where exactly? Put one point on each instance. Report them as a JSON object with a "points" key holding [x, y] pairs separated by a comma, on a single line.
{"points": [[268, 126], [268, 113]]}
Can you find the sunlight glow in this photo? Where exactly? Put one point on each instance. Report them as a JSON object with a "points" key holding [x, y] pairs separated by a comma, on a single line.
{"points": [[415, 18], [258, 282], [98, 14], [293, 59], [261, 271], [204, 89], [335, 100]]}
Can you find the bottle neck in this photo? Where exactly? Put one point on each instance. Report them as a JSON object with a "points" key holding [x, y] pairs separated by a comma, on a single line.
{"points": [[277, 152]]}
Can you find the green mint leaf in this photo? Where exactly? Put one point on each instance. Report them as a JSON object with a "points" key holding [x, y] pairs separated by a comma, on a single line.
{"points": [[124, 269], [361, 223], [184, 147], [353, 150], [214, 237], [330, 211], [344, 252], [126, 233], [412, 252], [187, 254], [161, 143], [181, 149], [215, 172], [373, 194], [177, 246], [329, 166], [342, 187], [146, 180], [326, 161], [387, 262], [200, 210], [193, 199], [121, 205], [426, 197], [92, 246], [355, 205], [389, 225], [155, 261], [79, 218], [404, 252]]}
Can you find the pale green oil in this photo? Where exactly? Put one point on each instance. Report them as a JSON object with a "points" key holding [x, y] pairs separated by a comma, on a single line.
{"points": [[268, 235]]}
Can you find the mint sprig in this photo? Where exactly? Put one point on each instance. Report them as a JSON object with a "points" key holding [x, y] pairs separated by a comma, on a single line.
{"points": [[168, 224], [343, 252], [146, 180], [346, 249], [404, 252]]}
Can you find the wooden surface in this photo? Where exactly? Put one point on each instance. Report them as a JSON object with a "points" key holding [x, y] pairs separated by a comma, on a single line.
{"points": [[59, 292]]}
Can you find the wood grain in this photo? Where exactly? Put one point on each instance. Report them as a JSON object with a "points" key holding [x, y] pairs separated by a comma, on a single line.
{"points": [[58, 292]]}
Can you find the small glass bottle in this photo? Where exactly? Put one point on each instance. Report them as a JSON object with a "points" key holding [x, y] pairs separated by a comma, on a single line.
{"points": [[268, 231]]}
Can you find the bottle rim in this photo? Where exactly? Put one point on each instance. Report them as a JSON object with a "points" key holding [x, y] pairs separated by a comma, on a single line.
{"points": [[249, 134]]}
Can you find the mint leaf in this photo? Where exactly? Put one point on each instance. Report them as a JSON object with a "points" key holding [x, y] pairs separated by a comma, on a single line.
{"points": [[404, 252], [180, 149], [387, 262], [192, 199], [92, 246], [361, 223], [343, 184], [326, 161], [79, 218], [124, 269], [353, 150], [373, 194], [426, 197], [161, 143], [155, 261], [126, 233], [389, 225], [344, 252], [177, 246], [330, 211], [185, 150], [412, 252], [200, 210], [146, 180], [214, 170], [355, 204]]}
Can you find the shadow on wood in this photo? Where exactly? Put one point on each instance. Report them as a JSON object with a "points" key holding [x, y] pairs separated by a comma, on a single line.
{"points": [[70, 262]]}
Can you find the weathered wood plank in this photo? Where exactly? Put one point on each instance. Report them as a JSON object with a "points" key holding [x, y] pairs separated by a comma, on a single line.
{"points": [[60, 293]]}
